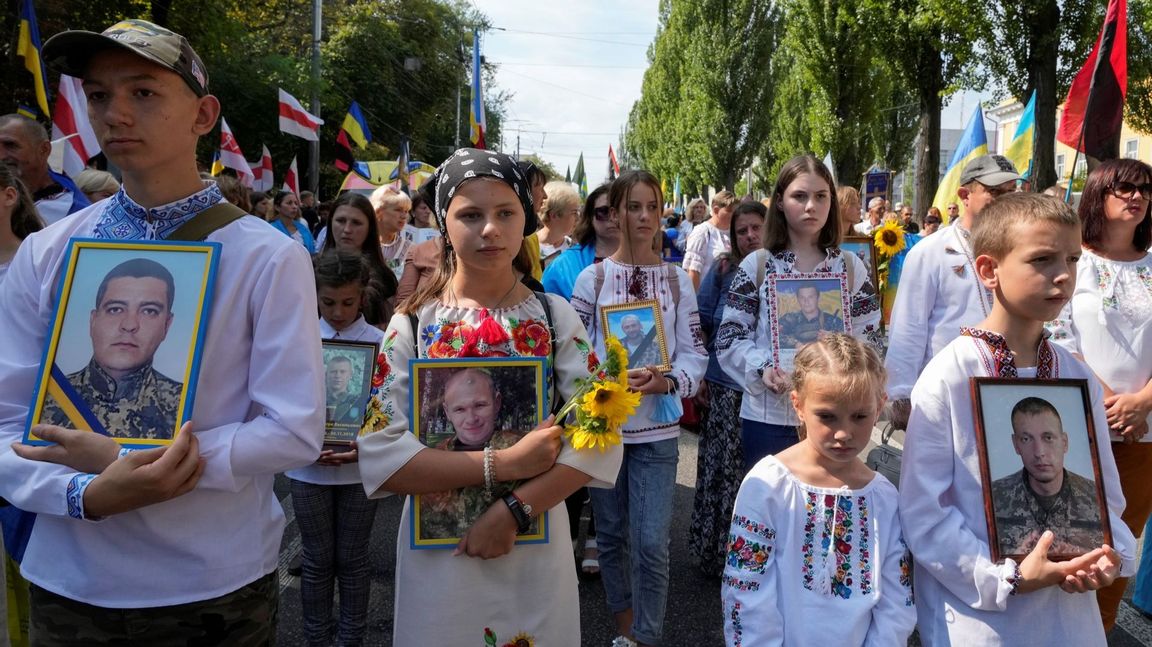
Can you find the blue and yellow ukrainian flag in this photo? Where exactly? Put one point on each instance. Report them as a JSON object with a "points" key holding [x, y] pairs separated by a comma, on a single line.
{"points": [[357, 126], [1019, 150], [973, 144], [28, 46], [476, 109]]}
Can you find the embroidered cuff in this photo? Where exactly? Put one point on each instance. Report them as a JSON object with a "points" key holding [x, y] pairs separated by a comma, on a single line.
{"points": [[124, 451], [76, 488], [1012, 578]]}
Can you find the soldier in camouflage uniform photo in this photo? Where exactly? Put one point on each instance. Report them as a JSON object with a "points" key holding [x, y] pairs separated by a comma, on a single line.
{"points": [[1044, 495]]}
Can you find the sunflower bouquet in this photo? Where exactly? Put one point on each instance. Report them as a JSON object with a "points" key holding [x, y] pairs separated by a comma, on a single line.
{"points": [[889, 241], [602, 402]]}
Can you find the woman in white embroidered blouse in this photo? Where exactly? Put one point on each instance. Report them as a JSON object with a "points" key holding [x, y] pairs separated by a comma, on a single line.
{"points": [[801, 236], [1107, 322], [634, 519]]}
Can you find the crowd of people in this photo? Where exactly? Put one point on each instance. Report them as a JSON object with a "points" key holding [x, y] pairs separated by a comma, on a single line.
{"points": [[747, 313]]}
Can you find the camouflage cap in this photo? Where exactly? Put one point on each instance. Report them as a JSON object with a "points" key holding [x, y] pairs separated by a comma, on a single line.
{"points": [[989, 170], [70, 51]]}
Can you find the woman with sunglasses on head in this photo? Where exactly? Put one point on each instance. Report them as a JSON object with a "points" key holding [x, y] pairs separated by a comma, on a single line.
{"points": [[633, 520], [1107, 324], [596, 236]]}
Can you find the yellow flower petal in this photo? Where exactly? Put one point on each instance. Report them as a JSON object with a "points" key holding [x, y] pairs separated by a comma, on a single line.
{"points": [[611, 401], [889, 239]]}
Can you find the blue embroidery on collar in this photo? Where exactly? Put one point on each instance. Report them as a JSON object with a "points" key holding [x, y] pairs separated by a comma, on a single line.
{"points": [[123, 219]]}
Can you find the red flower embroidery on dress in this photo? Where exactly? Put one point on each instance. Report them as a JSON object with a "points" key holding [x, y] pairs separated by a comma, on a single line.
{"points": [[530, 337], [450, 339], [382, 371]]}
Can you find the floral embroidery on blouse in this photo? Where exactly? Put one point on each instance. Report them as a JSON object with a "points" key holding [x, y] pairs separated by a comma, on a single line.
{"points": [[449, 339], [737, 625], [1104, 282], [754, 527], [906, 575], [863, 546], [522, 639], [531, 337], [739, 584], [751, 556], [836, 577], [587, 352]]}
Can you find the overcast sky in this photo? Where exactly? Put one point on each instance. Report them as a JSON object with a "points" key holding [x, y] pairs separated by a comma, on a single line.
{"points": [[575, 68]]}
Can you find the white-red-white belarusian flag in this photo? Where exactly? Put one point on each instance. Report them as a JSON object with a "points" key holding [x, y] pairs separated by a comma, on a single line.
{"points": [[231, 157], [295, 120], [262, 172], [291, 182], [70, 119]]}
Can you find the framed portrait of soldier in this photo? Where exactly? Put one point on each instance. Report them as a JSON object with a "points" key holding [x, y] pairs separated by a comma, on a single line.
{"points": [[467, 405], [1040, 466], [348, 367], [123, 352], [865, 250], [640, 328], [804, 307]]}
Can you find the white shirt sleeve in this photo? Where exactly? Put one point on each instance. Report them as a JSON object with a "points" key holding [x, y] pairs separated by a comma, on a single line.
{"points": [[696, 250], [935, 529], [909, 336], [749, 587], [894, 616], [689, 360]]}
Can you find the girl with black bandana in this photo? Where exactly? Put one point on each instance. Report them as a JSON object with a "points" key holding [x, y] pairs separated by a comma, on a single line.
{"points": [[475, 306]]}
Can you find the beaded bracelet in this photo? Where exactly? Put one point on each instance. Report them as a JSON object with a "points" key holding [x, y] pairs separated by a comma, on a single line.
{"points": [[1014, 579], [488, 471]]}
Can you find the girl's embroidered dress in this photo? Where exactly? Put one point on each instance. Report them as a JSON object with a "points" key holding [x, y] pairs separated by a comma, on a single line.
{"points": [[815, 566], [530, 593]]}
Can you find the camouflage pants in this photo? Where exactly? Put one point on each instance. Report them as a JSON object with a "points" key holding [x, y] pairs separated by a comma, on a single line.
{"points": [[246, 617]]}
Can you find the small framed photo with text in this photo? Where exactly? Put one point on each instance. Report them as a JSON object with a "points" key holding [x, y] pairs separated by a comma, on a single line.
{"points": [[123, 354], [348, 367], [466, 405], [640, 328], [1040, 466], [804, 307]]}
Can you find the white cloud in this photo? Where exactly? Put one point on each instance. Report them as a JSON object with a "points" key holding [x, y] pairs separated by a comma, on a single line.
{"points": [[573, 79]]}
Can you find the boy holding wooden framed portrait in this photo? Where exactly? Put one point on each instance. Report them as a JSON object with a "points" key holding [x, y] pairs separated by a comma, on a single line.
{"points": [[1007, 463]]}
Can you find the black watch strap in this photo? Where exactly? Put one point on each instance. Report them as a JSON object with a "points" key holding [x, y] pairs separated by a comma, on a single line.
{"points": [[520, 512]]}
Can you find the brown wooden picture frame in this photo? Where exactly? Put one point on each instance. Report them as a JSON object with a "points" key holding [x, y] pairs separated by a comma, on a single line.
{"points": [[1014, 511], [344, 419]]}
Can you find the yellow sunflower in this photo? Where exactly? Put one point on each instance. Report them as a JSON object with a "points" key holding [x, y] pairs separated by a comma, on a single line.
{"points": [[617, 363], [589, 439], [889, 239], [611, 401]]}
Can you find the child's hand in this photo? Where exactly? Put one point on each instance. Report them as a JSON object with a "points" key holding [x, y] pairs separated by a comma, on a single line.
{"points": [[533, 454], [1085, 573], [1099, 574], [492, 534], [332, 458], [776, 380]]}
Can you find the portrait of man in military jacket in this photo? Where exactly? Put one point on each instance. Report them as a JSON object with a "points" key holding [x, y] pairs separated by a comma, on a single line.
{"points": [[131, 318], [1044, 494]]}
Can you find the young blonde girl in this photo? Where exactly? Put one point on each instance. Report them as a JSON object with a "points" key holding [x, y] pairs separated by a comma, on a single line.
{"points": [[815, 554], [489, 590], [334, 515], [801, 236], [633, 520]]}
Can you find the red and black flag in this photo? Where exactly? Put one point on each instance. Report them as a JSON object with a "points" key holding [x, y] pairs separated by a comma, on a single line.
{"points": [[613, 165], [344, 158], [1094, 110]]}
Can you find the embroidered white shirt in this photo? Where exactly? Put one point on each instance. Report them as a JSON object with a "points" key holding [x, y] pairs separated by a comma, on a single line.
{"points": [[705, 244]]}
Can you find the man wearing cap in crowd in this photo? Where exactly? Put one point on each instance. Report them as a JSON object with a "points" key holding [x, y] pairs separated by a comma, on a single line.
{"points": [[179, 544], [940, 291], [875, 217]]}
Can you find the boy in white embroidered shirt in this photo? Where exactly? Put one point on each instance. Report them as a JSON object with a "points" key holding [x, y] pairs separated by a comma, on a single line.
{"points": [[1026, 247]]}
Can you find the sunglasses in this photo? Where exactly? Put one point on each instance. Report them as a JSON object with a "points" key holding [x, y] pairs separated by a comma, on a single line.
{"points": [[1125, 190], [603, 214]]}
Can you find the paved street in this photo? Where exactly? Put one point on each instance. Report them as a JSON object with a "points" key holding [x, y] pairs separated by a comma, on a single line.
{"points": [[693, 616]]}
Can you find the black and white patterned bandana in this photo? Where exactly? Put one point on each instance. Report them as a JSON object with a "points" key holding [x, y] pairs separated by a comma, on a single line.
{"points": [[470, 163]]}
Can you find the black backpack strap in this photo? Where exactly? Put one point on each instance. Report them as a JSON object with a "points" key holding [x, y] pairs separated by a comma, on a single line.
{"points": [[207, 221], [415, 337]]}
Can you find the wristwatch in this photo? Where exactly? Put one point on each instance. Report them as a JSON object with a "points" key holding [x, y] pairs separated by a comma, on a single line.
{"points": [[521, 511]]}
